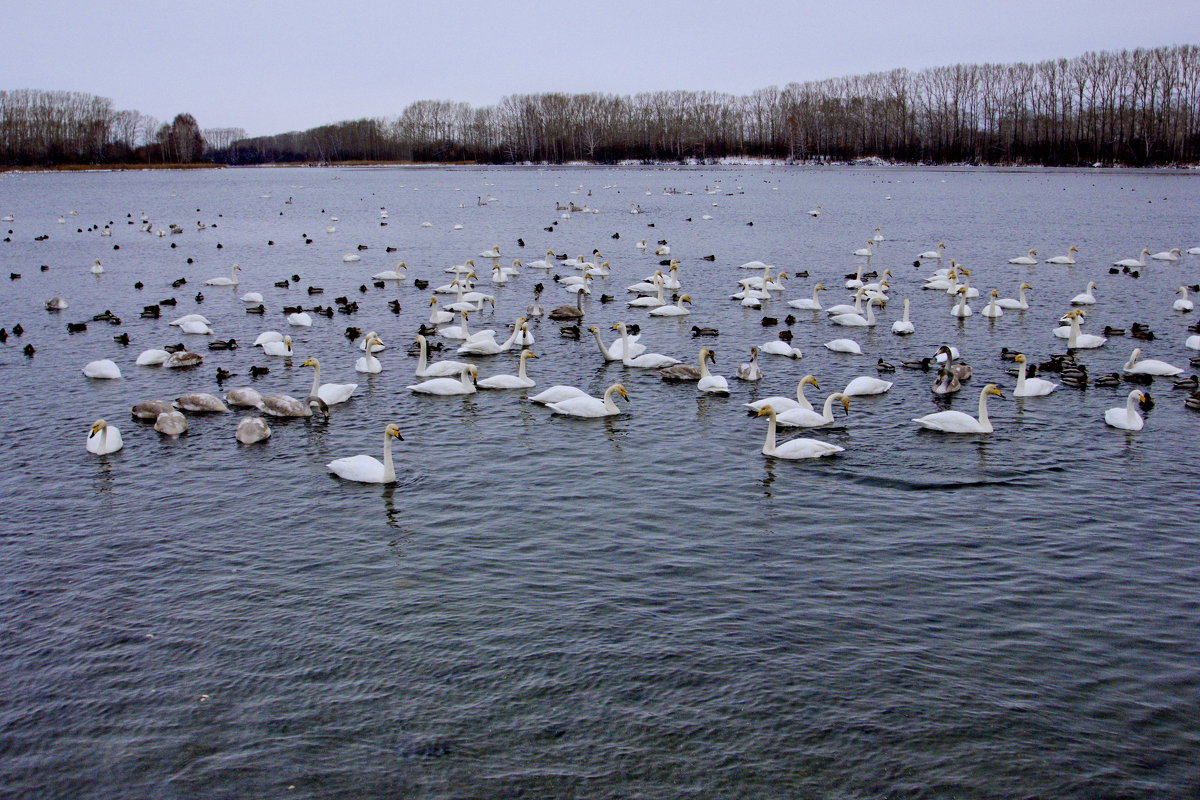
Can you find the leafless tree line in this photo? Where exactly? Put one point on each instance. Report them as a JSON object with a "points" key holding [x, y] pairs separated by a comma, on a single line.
{"points": [[1131, 107]]}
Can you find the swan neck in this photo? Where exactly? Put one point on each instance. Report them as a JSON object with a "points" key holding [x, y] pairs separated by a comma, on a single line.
{"points": [[905, 318], [389, 469], [521, 368], [870, 313], [317, 378], [800, 398], [609, 405], [827, 412], [769, 443], [1020, 379], [984, 423], [422, 360]]}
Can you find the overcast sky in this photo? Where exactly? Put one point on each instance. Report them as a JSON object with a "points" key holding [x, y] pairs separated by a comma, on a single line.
{"points": [[281, 65]]}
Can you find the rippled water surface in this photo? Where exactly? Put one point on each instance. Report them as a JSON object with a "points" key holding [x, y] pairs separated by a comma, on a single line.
{"points": [[638, 606]]}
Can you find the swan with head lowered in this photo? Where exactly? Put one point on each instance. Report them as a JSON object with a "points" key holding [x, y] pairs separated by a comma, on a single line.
{"points": [[957, 421], [331, 393], [645, 360], [1127, 417], [793, 448], [1148, 366], [588, 406], [518, 381], [808, 418], [367, 469]]}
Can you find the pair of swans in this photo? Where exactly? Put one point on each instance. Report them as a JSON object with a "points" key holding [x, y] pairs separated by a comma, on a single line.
{"points": [[369, 364], [809, 418], [446, 387], [484, 343], [781, 404], [645, 360]]}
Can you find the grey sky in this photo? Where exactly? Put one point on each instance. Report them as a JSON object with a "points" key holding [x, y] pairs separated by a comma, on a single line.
{"points": [[276, 66]]}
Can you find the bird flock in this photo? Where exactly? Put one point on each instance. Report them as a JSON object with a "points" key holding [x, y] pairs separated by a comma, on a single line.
{"points": [[457, 297]]}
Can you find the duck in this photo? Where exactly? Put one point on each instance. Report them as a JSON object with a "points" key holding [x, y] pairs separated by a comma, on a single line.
{"points": [[367, 469], [1183, 303], [232, 280], [1148, 366], [104, 438], [809, 304], [957, 421], [252, 429], [903, 326], [1027, 259], [447, 387], [331, 393], [1127, 417], [750, 371], [782, 404], [200, 401], [1030, 387], [588, 406], [808, 418], [1069, 258], [1085, 298], [171, 423], [645, 360], [103, 368], [793, 449], [519, 381], [1019, 303], [866, 385], [1190, 382]]}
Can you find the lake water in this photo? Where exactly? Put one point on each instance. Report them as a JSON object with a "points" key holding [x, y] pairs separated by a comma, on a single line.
{"points": [[636, 606]]}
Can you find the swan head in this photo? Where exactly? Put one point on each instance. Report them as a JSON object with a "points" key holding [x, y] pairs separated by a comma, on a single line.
{"points": [[820, 287], [529, 354], [311, 362], [618, 326], [995, 293], [687, 298], [753, 352], [1033, 252], [433, 300], [98, 426], [237, 268], [783, 275], [766, 411], [810, 380], [1073, 249], [1026, 286], [1020, 358], [473, 372], [618, 388], [709, 354], [1143, 398], [992, 388], [287, 341]]}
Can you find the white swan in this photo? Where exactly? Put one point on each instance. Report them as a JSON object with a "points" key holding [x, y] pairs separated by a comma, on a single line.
{"points": [[232, 280], [782, 404], [557, 394], [1030, 387], [779, 347], [96, 268], [282, 348], [1140, 261], [493, 253], [749, 370], [856, 320], [437, 316], [459, 331], [808, 418], [903, 326], [268, 336], [957, 421], [488, 346], [152, 358], [104, 438], [368, 469], [439, 369], [616, 350], [1085, 298], [1192, 342], [195, 327], [1076, 339], [252, 429], [376, 346], [807, 304], [104, 368], [1148, 366], [866, 385], [1067, 259], [588, 406], [933, 254], [992, 310], [676, 310], [300, 320], [1183, 303], [712, 384], [518, 381], [844, 346], [392, 274], [844, 308], [1168, 255], [656, 301], [331, 393], [1027, 260], [1020, 303], [793, 448], [645, 360], [447, 387], [251, 297], [369, 364], [962, 310], [1127, 417]]}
